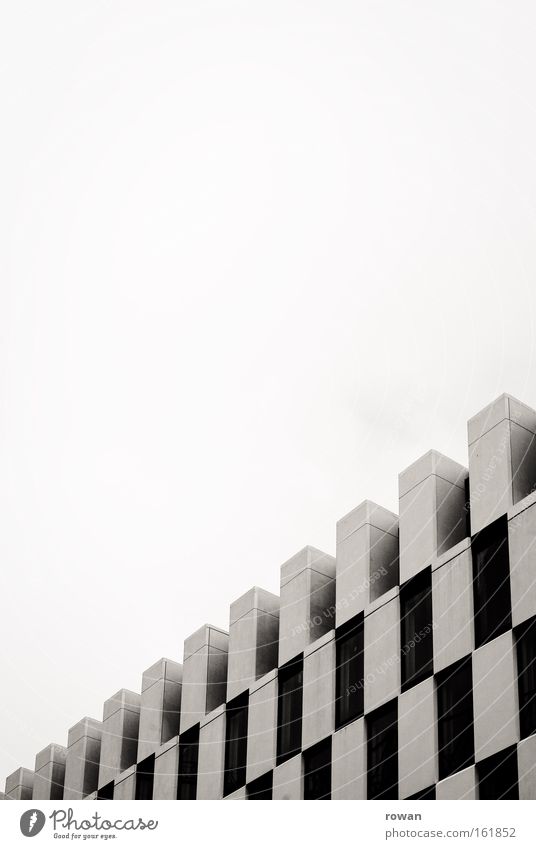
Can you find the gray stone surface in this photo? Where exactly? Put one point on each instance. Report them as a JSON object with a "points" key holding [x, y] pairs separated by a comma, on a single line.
{"points": [[82, 759], [119, 741], [307, 596], [432, 515], [160, 706], [204, 674], [382, 654], [495, 699], [49, 774], [502, 458], [367, 558], [253, 639]]}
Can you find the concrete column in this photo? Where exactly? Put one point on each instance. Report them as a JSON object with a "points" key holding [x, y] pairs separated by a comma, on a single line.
{"points": [[253, 639], [288, 779], [526, 767], [204, 674], [120, 726], [125, 784], [19, 785], [461, 785], [432, 514], [160, 706], [82, 759], [49, 775], [522, 553], [349, 762], [502, 458], [367, 558], [417, 739], [166, 768], [307, 601], [495, 699], [318, 690], [452, 605], [382, 650], [262, 726], [211, 755]]}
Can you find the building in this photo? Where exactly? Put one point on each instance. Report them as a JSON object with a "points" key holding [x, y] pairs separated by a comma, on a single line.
{"points": [[402, 668]]}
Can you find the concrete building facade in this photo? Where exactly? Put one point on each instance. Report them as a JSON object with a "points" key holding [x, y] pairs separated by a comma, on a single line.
{"points": [[404, 667]]}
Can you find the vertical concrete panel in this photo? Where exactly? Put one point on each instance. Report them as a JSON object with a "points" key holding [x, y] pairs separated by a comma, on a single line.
{"points": [[526, 767], [160, 706], [461, 785], [288, 780], [49, 776], [125, 785], [349, 762], [432, 515], [307, 601], [319, 690], [166, 768], [496, 716], [119, 742], [262, 726], [382, 650], [83, 759], [417, 739], [204, 674], [253, 639], [367, 558], [211, 755], [522, 551], [19, 785], [452, 605], [502, 458]]}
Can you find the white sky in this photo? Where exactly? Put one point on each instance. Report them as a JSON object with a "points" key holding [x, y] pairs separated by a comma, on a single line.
{"points": [[256, 258]]}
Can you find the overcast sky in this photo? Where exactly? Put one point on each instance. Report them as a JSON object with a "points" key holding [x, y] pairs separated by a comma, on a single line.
{"points": [[256, 258]]}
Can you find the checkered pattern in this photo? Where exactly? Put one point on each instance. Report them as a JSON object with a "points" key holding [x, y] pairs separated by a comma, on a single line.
{"points": [[442, 594]]}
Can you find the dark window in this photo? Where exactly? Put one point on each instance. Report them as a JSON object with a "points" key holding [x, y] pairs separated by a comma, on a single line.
{"points": [[106, 792], [416, 629], [236, 743], [289, 709], [188, 760], [422, 795], [261, 788], [526, 676], [145, 778], [382, 752], [455, 718], [317, 771], [350, 671], [467, 507], [497, 776], [491, 582]]}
